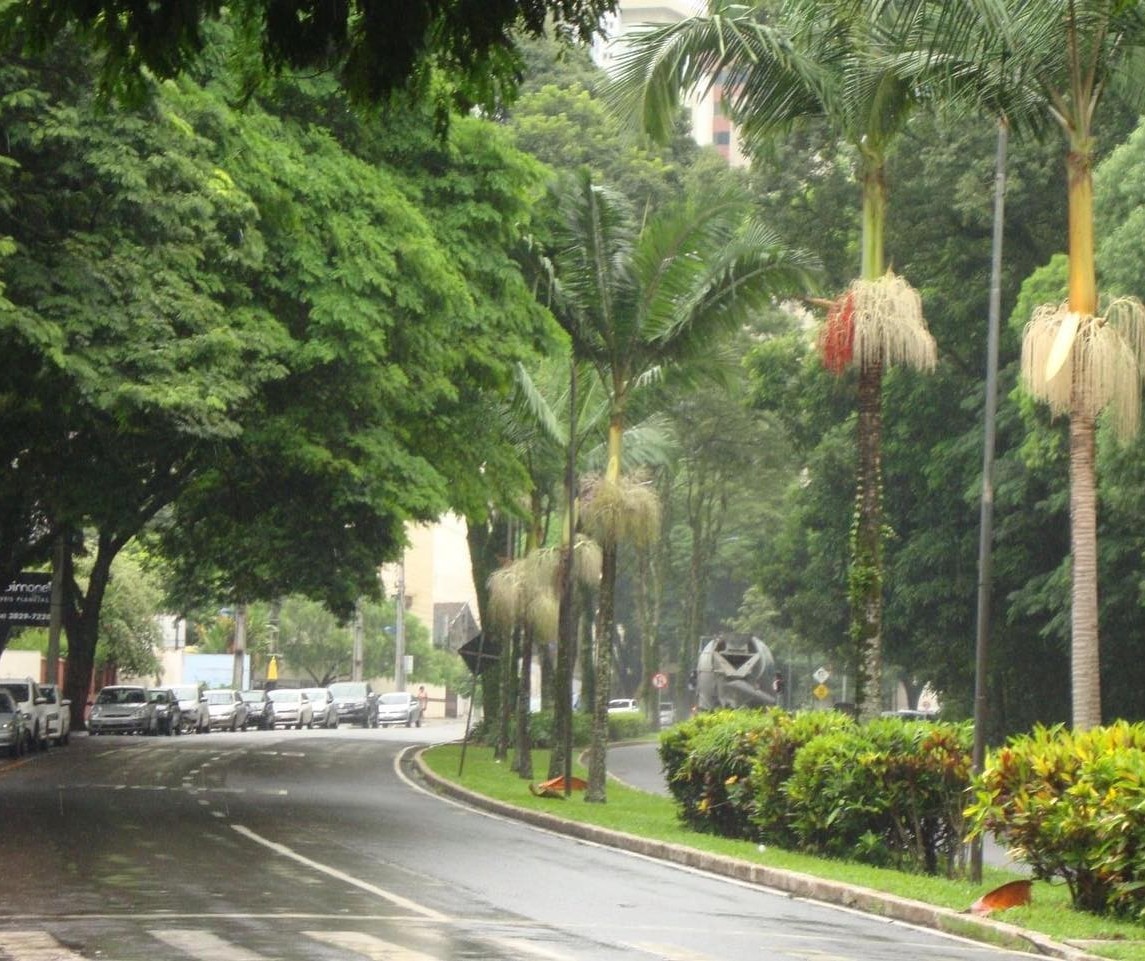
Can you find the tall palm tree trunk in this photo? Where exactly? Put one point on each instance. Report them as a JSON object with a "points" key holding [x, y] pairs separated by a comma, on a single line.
{"points": [[523, 755], [1084, 642], [865, 580], [606, 615], [602, 682], [1084, 646]]}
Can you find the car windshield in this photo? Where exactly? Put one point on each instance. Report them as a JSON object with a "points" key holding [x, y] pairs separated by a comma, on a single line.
{"points": [[284, 695], [348, 689], [315, 693], [252, 697], [18, 691], [7, 705], [121, 695], [50, 692], [188, 692], [220, 697], [157, 697], [396, 698]]}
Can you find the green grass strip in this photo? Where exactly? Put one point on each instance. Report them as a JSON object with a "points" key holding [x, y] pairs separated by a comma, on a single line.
{"points": [[650, 816]]}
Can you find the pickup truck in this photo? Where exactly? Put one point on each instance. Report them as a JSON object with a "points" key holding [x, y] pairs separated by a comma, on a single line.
{"points": [[59, 714], [38, 714]]}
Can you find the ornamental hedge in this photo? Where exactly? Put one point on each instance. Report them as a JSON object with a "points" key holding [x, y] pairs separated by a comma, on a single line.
{"points": [[1072, 806]]}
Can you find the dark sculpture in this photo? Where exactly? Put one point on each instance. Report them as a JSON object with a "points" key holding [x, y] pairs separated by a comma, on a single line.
{"points": [[735, 670]]}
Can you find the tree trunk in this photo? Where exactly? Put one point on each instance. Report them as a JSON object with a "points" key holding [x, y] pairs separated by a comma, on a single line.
{"points": [[595, 793], [484, 539], [1085, 662], [865, 580], [509, 680], [563, 673], [81, 621], [1084, 647], [523, 756]]}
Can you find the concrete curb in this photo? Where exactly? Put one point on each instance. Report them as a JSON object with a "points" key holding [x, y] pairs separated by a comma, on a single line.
{"points": [[797, 885]]}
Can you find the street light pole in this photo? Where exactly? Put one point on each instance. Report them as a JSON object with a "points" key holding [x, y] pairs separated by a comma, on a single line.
{"points": [[400, 627]]}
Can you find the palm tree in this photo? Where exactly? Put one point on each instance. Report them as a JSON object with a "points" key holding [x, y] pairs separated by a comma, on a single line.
{"points": [[1059, 58], [780, 64], [636, 301]]}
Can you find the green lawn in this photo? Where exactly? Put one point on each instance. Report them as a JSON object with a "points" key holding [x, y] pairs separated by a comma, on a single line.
{"points": [[651, 816]]}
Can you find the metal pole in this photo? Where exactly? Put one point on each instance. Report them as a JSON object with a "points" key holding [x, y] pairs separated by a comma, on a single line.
{"points": [[568, 592], [56, 621], [400, 628], [986, 525], [356, 670], [240, 647]]}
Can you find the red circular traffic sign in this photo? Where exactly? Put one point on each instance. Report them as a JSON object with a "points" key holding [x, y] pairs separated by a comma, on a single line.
{"points": [[660, 681]]}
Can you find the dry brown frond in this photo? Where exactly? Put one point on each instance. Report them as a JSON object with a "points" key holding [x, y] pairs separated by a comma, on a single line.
{"points": [[587, 561], [889, 326], [505, 595], [627, 510], [1104, 364], [542, 614]]}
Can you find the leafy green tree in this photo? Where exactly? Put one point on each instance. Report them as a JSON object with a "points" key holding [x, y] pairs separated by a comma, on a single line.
{"points": [[374, 52]]}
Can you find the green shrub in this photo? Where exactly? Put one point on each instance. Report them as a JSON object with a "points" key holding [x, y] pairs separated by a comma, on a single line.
{"points": [[624, 726], [889, 792], [708, 761], [779, 740], [1072, 806], [542, 725]]}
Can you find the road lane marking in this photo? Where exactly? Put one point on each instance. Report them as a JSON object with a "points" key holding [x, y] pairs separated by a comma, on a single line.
{"points": [[34, 946], [385, 895], [367, 945], [529, 949], [203, 944]]}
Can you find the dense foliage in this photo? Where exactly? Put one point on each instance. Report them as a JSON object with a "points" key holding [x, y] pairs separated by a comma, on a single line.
{"points": [[1069, 804]]}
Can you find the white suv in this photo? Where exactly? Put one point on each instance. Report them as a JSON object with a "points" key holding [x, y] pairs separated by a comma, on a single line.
{"points": [[34, 706]]}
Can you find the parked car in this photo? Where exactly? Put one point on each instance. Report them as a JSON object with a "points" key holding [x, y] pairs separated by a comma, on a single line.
{"points": [[667, 714], [323, 705], [260, 709], [292, 708], [121, 709], [29, 699], [167, 718], [227, 709], [623, 705], [14, 735], [193, 711], [399, 707], [59, 714], [357, 703]]}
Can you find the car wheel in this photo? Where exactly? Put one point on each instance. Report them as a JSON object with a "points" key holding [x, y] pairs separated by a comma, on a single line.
{"points": [[409, 722], [418, 722], [67, 737]]}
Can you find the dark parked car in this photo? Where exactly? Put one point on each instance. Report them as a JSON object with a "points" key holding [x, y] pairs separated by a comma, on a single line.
{"points": [[357, 703], [167, 716], [14, 735], [193, 708], [121, 709], [323, 705], [260, 709]]}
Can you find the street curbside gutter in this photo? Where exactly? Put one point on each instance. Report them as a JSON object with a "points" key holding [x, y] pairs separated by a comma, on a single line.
{"points": [[796, 885]]}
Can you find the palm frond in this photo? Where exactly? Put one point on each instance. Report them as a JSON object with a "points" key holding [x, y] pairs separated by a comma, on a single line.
{"points": [[889, 326], [1104, 367], [624, 511]]}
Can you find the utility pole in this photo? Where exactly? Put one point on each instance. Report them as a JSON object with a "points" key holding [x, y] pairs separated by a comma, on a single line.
{"points": [[356, 668], [400, 627], [240, 647]]}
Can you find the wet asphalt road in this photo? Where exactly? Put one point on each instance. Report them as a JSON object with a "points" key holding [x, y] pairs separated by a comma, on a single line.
{"points": [[313, 845]]}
